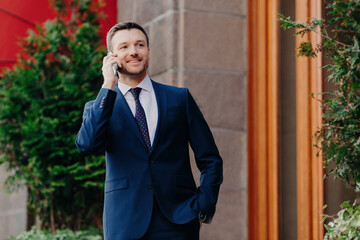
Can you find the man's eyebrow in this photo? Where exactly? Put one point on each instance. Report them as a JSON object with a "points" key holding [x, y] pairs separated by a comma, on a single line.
{"points": [[121, 44]]}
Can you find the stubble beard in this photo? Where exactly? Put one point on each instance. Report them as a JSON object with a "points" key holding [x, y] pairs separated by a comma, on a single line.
{"points": [[135, 74]]}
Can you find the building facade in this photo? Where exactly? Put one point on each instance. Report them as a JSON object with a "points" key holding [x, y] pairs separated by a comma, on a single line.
{"points": [[255, 94]]}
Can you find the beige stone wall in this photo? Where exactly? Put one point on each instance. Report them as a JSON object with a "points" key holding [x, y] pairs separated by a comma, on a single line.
{"points": [[12, 210], [201, 45]]}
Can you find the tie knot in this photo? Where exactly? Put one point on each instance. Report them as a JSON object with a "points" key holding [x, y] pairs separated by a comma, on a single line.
{"points": [[135, 92]]}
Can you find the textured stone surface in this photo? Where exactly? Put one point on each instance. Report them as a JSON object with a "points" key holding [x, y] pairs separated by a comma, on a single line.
{"points": [[219, 6], [143, 11], [232, 147], [148, 10], [230, 220], [126, 10], [215, 42], [163, 44], [12, 224], [221, 97], [12, 210], [169, 77]]}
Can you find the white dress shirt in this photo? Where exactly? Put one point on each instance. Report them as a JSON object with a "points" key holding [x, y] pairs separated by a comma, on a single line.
{"points": [[147, 100]]}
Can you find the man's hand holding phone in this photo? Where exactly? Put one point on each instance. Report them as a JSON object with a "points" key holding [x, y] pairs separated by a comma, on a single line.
{"points": [[110, 70]]}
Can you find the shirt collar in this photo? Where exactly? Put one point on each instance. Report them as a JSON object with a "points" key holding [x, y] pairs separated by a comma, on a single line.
{"points": [[145, 84]]}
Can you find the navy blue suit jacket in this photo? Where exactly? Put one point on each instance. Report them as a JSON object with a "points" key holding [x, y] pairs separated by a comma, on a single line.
{"points": [[134, 175]]}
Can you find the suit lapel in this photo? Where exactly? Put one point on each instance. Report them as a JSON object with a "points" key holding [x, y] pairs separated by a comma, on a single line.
{"points": [[161, 100], [126, 114]]}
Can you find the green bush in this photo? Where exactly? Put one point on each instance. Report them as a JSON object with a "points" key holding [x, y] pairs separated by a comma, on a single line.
{"points": [[35, 234], [346, 224], [41, 104]]}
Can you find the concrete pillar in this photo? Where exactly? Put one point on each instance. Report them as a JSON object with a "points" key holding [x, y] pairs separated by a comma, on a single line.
{"points": [[201, 45], [13, 212]]}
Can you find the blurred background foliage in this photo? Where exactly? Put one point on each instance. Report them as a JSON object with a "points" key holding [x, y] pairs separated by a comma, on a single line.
{"points": [[339, 138], [41, 104], [35, 234]]}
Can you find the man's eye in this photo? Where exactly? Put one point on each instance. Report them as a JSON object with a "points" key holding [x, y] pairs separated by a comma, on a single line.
{"points": [[123, 47], [141, 45]]}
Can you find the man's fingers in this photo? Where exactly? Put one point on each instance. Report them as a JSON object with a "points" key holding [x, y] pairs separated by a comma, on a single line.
{"points": [[105, 59], [112, 61], [108, 57]]}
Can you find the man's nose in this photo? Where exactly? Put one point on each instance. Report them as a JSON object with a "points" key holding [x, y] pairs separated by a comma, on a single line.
{"points": [[133, 50]]}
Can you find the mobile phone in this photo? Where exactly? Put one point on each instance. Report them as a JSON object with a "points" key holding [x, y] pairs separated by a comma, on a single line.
{"points": [[115, 68]]}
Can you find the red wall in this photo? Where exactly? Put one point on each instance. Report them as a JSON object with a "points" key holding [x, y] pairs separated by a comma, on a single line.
{"points": [[16, 16]]}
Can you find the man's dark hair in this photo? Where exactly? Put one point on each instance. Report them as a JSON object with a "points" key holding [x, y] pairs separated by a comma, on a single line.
{"points": [[123, 26]]}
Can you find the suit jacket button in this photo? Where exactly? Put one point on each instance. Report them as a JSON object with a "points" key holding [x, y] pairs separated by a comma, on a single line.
{"points": [[102, 102], [149, 185], [151, 161], [202, 216]]}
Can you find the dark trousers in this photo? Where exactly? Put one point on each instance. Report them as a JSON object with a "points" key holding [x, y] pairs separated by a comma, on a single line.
{"points": [[162, 229]]}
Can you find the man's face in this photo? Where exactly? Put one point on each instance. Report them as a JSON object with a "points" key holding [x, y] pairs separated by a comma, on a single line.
{"points": [[132, 50]]}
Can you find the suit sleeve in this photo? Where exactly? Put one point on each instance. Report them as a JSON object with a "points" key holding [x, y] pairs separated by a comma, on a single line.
{"points": [[91, 137], [207, 159]]}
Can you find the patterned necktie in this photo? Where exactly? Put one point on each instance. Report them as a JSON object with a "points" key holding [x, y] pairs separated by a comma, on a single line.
{"points": [[141, 118]]}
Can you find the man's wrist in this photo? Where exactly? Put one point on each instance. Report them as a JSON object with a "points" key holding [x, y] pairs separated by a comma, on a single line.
{"points": [[109, 85]]}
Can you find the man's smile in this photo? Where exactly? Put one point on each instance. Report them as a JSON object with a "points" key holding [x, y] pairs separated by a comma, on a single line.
{"points": [[134, 61]]}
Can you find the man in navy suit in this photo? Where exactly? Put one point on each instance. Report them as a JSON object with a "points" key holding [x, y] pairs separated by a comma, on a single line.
{"points": [[145, 129]]}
